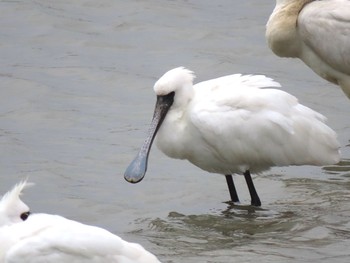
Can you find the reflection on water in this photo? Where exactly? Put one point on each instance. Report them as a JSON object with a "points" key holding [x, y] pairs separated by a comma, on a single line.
{"points": [[342, 168], [231, 227], [312, 220]]}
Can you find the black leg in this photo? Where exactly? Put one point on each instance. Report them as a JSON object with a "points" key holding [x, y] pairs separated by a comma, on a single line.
{"points": [[231, 188], [253, 194]]}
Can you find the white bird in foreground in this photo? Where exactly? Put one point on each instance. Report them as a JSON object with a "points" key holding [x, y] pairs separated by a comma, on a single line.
{"points": [[44, 238], [317, 32], [12, 209], [234, 124]]}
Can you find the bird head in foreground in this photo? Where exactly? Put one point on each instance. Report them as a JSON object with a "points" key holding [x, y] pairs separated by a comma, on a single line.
{"points": [[173, 82], [12, 209]]}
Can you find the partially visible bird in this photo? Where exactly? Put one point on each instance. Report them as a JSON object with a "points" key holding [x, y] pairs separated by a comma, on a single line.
{"points": [[234, 124], [317, 32], [44, 238], [12, 209]]}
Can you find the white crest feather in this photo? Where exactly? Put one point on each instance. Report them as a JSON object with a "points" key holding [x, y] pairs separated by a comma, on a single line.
{"points": [[11, 206], [173, 80]]}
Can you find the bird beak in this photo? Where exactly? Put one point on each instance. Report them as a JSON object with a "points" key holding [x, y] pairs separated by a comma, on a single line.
{"points": [[137, 168]]}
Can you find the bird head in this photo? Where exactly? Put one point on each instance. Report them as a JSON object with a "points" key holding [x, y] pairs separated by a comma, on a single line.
{"points": [[12, 209]]}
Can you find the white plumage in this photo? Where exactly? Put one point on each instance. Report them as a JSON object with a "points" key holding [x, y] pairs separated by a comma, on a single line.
{"points": [[235, 124], [44, 238], [12, 209], [317, 32]]}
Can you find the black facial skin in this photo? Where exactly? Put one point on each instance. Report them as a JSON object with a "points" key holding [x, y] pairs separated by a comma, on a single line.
{"points": [[25, 215]]}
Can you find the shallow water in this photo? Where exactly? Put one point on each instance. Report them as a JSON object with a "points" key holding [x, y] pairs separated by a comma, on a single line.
{"points": [[76, 100]]}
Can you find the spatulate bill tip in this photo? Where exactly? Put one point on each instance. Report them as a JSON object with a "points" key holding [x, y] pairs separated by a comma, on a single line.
{"points": [[134, 179], [136, 170]]}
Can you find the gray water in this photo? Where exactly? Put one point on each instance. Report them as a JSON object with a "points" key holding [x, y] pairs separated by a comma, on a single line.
{"points": [[76, 100]]}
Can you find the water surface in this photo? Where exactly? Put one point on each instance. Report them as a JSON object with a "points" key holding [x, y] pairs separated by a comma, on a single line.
{"points": [[76, 100]]}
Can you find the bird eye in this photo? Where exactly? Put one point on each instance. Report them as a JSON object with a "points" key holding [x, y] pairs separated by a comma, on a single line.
{"points": [[25, 215]]}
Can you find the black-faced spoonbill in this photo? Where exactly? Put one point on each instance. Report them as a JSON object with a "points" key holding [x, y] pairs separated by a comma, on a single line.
{"points": [[234, 124], [317, 32], [12, 209], [44, 238]]}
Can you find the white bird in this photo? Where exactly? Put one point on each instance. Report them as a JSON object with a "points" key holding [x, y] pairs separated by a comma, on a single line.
{"points": [[45, 238], [12, 209], [317, 32], [234, 124]]}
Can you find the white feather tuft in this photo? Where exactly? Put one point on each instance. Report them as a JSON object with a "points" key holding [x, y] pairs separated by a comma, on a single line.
{"points": [[11, 206]]}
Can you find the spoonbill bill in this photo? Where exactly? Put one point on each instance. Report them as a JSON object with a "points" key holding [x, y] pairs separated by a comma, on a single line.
{"points": [[234, 124], [317, 32], [45, 238]]}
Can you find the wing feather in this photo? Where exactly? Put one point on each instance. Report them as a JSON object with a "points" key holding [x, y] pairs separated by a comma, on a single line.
{"points": [[325, 28], [49, 238], [254, 124]]}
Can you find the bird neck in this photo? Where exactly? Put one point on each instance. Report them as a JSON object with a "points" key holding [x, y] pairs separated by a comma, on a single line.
{"points": [[281, 28]]}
